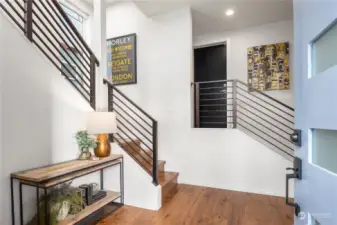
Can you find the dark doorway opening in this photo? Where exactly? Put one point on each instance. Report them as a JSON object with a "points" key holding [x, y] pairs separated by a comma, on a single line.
{"points": [[210, 64]]}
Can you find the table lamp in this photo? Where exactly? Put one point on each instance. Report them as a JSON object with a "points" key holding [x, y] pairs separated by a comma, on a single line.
{"points": [[102, 124]]}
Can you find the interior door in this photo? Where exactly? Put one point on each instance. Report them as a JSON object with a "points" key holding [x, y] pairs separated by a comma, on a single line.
{"points": [[315, 89], [210, 64]]}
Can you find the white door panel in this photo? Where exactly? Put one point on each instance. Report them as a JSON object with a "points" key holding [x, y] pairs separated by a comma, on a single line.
{"points": [[315, 107]]}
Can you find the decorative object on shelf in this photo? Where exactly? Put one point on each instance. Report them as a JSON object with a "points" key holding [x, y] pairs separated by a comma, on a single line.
{"points": [[268, 67], [98, 196], [122, 59], [102, 123], [84, 143], [87, 193], [63, 200], [92, 193], [95, 188]]}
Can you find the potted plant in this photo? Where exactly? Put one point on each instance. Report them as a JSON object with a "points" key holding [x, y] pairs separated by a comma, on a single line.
{"points": [[84, 143]]}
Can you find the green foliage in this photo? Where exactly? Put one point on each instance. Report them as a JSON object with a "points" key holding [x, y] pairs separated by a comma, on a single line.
{"points": [[84, 141], [55, 199]]}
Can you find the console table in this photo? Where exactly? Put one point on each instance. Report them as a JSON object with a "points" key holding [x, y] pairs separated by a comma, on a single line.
{"points": [[49, 176]]}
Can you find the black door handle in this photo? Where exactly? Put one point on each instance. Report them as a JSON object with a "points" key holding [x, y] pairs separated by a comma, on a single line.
{"points": [[296, 175], [295, 205]]}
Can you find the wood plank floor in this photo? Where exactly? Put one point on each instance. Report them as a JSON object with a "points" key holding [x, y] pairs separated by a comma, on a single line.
{"points": [[194, 205]]}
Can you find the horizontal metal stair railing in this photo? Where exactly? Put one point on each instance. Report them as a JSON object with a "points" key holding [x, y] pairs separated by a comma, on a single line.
{"points": [[48, 27], [233, 104], [136, 130]]}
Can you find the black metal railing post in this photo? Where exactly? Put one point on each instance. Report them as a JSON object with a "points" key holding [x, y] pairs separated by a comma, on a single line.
{"points": [[93, 81], [155, 152], [29, 19], [110, 106], [234, 89], [197, 105]]}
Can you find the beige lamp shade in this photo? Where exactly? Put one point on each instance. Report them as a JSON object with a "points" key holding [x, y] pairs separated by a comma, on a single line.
{"points": [[102, 123]]}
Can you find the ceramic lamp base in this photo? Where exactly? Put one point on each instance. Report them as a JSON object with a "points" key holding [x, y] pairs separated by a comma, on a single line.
{"points": [[103, 148]]}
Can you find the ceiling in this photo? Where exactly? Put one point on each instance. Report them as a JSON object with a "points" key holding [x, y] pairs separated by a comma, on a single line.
{"points": [[209, 15]]}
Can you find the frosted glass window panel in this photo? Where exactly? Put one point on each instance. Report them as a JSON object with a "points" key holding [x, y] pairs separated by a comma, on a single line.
{"points": [[316, 223], [75, 18], [324, 50], [324, 149], [313, 221]]}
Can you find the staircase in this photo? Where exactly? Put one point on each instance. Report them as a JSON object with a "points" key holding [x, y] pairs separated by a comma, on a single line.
{"points": [[233, 104], [137, 135]]}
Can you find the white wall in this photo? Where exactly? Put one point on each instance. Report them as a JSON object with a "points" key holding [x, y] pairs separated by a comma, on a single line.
{"points": [[41, 112], [163, 52], [214, 157], [238, 41], [232, 160]]}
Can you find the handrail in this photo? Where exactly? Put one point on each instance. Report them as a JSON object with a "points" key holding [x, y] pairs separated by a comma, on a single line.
{"points": [[268, 118], [264, 139], [284, 118], [12, 17], [78, 35], [259, 123], [128, 114], [239, 88], [253, 89], [255, 114], [129, 108], [58, 50], [135, 130], [267, 96], [64, 32], [47, 26], [265, 133], [249, 105], [105, 81]]}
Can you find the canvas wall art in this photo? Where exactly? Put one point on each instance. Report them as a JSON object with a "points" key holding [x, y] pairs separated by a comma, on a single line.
{"points": [[268, 67]]}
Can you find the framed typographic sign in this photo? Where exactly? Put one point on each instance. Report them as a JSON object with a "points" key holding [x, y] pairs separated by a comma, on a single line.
{"points": [[122, 59]]}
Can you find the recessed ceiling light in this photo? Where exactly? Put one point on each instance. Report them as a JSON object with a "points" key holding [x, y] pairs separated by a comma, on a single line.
{"points": [[230, 12]]}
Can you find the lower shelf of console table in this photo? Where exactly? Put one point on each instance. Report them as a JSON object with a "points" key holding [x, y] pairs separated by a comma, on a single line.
{"points": [[73, 219], [50, 176]]}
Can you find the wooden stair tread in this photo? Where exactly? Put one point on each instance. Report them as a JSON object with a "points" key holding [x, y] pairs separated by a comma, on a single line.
{"points": [[165, 177], [145, 160]]}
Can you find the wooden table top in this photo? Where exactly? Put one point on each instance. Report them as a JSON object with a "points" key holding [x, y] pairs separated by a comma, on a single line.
{"points": [[56, 170]]}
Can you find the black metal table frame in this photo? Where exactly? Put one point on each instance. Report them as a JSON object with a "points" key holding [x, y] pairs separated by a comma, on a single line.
{"points": [[37, 185]]}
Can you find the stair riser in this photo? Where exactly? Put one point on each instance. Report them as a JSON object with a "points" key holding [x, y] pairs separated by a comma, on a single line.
{"points": [[161, 167], [169, 190]]}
